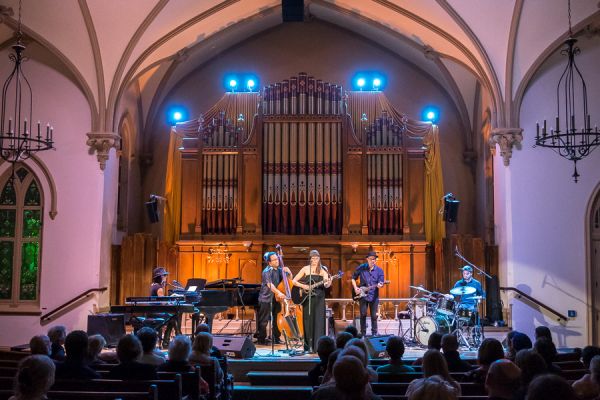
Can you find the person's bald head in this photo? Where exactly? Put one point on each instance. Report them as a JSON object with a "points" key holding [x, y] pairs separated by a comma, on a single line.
{"points": [[350, 374], [503, 379]]}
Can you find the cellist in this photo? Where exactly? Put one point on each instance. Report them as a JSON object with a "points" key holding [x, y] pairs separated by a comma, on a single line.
{"points": [[269, 298]]}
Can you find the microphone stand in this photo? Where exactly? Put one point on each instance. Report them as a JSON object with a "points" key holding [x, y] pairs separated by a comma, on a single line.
{"points": [[479, 270]]}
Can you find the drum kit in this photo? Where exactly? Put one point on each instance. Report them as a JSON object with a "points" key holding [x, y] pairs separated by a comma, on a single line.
{"points": [[444, 313]]}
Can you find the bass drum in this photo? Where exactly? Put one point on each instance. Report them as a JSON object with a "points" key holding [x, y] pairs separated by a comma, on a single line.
{"points": [[427, 325]]}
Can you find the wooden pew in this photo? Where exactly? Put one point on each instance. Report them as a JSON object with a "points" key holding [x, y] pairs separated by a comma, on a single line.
{"points": [[190, 381], [151, 394], [467, 389], [167, 389], [9, 363], [13, 355], [8, 371], [278, 378], [246, 392]]}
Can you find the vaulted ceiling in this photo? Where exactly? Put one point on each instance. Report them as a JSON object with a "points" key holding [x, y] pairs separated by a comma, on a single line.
{"points": [[109, 44]]}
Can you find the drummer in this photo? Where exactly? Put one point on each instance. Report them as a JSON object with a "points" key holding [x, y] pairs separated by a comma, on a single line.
{"points": [[469, 300]]}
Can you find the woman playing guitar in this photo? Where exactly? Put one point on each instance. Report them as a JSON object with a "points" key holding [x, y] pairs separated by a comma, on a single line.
{"points": [[313, 308]]}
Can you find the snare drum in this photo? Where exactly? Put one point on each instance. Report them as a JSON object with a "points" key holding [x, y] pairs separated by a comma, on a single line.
{"points": [[445, 305], [425, 326], [466, 315]]}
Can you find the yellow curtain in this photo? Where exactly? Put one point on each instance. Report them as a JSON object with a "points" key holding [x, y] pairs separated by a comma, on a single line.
{"points": [[172, 210], [434, 187]]}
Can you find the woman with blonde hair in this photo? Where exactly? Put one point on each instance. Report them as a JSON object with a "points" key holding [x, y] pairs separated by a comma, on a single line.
{"points": [[34, 378], [201, 354], [434, 363], [431, 388]]}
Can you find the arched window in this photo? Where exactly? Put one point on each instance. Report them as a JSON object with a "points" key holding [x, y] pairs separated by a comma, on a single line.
{"points": [[21, 201]]}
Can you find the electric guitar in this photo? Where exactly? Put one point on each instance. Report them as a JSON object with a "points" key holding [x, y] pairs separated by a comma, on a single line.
{"points": [[299, 295], [364, 290]]}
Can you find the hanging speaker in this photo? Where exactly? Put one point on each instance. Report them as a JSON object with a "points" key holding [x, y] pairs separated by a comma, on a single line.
{"points": [[152, 210], [450, 208], [292, 10]]}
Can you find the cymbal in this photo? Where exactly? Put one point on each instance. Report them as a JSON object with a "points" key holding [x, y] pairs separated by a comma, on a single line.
{"points": [[420, 288], [477, 297], [462, 290]]}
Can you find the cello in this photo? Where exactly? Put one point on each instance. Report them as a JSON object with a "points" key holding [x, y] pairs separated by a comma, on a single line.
{"points": [[289, 320]]}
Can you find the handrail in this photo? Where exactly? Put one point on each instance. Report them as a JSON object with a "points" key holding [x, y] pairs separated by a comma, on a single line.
{"points": [[87, 293], [533, 300]]}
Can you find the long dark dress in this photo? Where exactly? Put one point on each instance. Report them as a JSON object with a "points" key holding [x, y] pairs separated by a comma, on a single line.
{"points": [[313, 319]]}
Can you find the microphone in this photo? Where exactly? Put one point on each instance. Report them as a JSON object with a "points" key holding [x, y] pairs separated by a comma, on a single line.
{"points": [[177, 283]]}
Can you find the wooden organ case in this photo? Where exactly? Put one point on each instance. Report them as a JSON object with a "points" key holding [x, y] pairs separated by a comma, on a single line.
{"points": [[307, 165]]}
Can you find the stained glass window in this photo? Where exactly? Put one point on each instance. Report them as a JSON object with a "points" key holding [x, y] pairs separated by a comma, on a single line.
{"points": [[20, 237]]}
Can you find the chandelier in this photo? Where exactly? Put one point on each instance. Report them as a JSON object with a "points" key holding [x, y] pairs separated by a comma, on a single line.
{"points": [[20, 139], [218, 255], [569, 142]]}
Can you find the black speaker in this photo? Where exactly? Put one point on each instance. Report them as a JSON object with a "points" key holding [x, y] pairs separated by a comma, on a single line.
{"points": [[450, 209], [234, 346], [376, 346], [292, 10], [493, 304], [152, 210], [110, 326]]}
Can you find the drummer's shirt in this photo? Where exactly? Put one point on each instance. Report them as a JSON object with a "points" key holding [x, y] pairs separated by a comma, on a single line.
{"points": [[467, 300]]}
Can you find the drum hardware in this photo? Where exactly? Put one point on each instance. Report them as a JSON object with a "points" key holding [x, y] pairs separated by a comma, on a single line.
{"points": [[420, 289]]}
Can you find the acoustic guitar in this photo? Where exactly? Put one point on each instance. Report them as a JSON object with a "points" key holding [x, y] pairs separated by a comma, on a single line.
{"points": [[300, 295]]}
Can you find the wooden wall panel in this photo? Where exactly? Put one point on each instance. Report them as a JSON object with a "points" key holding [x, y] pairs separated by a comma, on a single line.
{"points": [[414, 194], [189, 198]]}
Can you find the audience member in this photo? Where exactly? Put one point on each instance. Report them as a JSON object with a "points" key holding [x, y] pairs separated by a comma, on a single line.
{"points": [[550, 386], [214, 351], [129, 351], [40, 344], [395, 350], [431, 388], [201, 355], [531, 365], [545, 348], [325, 346], [434, 363], [34, 378], [180, 348], [543, 332], [452, 356], [358, 352], [95, 345], [503, 380], [351, 381], [148, 337], [75, 365], [57, 335], [341, 339], [434, 342], [489, 351], [520, 341], [358, 343], [507, 343], [586, 387], [328, 376], [351, 329]]}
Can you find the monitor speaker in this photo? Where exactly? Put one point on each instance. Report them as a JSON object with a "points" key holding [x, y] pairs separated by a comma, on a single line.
{"points": [[376, 346], [292, 10], [451, 209], [234, 346], [152, 211], [110, 326]]}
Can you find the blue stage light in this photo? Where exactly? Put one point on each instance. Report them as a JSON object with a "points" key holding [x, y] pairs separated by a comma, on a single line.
{"points": [[232, 84], [376, 83], [250, 84], [431, 114], [176, 114], [360, 82]]}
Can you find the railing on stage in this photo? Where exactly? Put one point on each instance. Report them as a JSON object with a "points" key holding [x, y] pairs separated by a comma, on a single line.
{"points": [[345, 302]]}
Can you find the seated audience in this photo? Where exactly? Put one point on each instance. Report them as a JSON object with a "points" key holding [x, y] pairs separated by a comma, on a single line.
{"points": [[351, 381], [325, 346], [341, 339], [201, 355], [358, 343], [95, 345], [360, 353], [34, 378], [531, 365], [545, 348], [351, 329], [543, 332], [75, 365], [550, 386], [586, 387], [520, 341], [434, 342], [434, 363], [507, 343], [57, 335], [432, 388], [490, 350], [151, 355], [503, 380], [395, 350], [328, 376], [129, 351], [40, 344], [180, 348], [214, 351], [452, 356]]}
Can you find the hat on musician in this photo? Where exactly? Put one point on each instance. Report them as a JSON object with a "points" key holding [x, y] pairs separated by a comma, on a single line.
{"points": [[159, 271], [371, 254], [314, 253], [467, 268]]}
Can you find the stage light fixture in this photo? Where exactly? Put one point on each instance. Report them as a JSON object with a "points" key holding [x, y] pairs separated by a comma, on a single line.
{"points": [[250, 84], [376, 83], [360, 82], [431, 114], [176, 114], [232, 84]]}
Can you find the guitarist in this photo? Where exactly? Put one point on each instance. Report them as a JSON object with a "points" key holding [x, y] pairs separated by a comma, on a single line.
{"points": [[370, 276], [313, 308]]}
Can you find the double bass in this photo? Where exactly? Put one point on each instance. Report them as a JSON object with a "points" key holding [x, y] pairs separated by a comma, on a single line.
{"points": [[289, 320]]}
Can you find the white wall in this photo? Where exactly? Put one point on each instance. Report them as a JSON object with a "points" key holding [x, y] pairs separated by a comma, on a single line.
{"points": [[71, 242], [541, 213]]}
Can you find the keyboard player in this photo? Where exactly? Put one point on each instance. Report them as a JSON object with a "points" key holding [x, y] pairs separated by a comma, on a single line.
{"points": [[158, 288]]}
